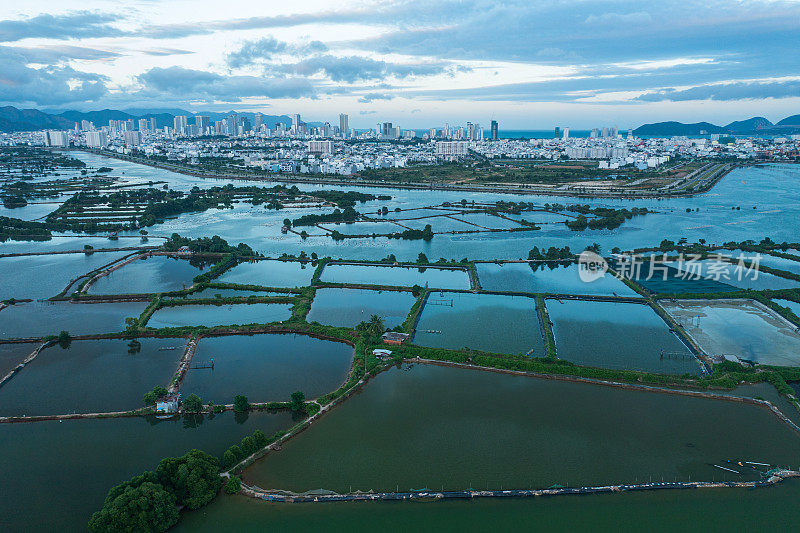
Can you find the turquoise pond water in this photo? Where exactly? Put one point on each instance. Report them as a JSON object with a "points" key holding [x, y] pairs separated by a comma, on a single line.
{"points": [[349, 307], [487, 322]]}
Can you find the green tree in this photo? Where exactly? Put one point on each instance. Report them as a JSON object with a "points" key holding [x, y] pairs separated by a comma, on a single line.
{"points": [[233, 485], [147, 508], [193, 404], [151, 397], [298, 401], [422, 258], [260, 438], [64, 339], [193, 478], [240, 404]]}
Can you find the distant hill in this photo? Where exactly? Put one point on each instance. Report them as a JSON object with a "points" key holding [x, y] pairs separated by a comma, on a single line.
{"points": [[100, 118], [13, 119], [678, 128], [749, 125], [794, 120]]}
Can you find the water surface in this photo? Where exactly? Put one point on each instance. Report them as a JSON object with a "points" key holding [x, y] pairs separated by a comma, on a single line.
{"points": [[547, 277], [349, 307], [154, 274], [270, 274], [39, 319], [438, 278], [219, 315]]}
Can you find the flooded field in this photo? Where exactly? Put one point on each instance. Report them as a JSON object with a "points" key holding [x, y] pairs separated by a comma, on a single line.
{"points": [[349, 307], [23, 276], [470, 437], [487, 322], [104, 375], [551, 278], [12, 355], [617, 335], [219, 315], [39, 319], [153, 274], [738, 327], [269, 274], [267, 367], [81, 460], [432, 277]]}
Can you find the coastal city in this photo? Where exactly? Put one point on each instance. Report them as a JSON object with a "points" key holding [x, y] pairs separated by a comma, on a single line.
{"points": [[393, 265]]}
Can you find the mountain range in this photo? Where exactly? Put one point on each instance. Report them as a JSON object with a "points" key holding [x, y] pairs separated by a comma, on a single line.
{"points": [[13, 119]]}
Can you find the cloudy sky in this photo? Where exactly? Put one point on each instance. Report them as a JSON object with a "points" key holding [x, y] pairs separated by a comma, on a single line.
{"points": [[529, 64]]}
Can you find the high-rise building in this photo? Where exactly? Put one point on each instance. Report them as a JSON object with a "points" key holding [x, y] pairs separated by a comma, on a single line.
{"points": [[296, 122], [233, 124], [143, 124], [133, 139], [344, 129], [451, 149], [258, 120], [320, 147], [96, 139], [387, 130], [56, 138], [557, 133], [565, 135], [245, 125], [180, 124], [153, 124], [494, 131], [129, 125], [86, 125], [203, 123]]}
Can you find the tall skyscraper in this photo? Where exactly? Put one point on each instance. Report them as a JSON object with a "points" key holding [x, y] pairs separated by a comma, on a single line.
{"points": [[566, 133], [233, 124], [296, 122], [258, 120], [153, 125], [557, 133], [344, 129], [142, 124], [180, 123], [494, 132], [203, 123]]}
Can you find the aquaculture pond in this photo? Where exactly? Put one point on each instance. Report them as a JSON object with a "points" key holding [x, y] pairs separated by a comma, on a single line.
{"points": [[269, 273], [349, 307], [400, 276], [555, 278], [13, 354], [44, 276], [767, 260], [104, 375], [736, 275], [56, 474], [364, 228], [483, 429], [663, 511], [266, 367], [794, 307], [662, 277], [39, 319], [153, 274], [212, 293], [487, 322], [742, 328], [219, 315], [618, 335]]}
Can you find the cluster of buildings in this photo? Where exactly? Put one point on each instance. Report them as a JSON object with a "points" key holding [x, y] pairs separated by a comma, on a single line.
{"points": [[323, 148]]}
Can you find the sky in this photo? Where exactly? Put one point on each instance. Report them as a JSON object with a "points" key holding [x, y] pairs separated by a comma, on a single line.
{"points": [[527, 64]]}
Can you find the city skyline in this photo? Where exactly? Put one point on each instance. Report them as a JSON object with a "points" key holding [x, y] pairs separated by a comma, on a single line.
{"points": [[527, 67]]}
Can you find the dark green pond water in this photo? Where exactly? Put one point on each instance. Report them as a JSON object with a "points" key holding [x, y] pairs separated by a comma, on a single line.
{"points": [[617, 335], [267, 367], [103, 376], [349, 307], [227, 293], [482, 429], [219, 315], [488, 322], [154, 274], [39, 319], [12, 354], [722, 510], [56, 474]]}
